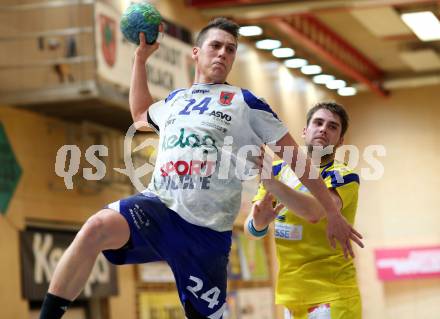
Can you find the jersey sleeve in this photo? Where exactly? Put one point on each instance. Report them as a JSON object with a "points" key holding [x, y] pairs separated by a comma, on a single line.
{"points": [[263, 120], [155, 116], [345, 182], [347, 193]]}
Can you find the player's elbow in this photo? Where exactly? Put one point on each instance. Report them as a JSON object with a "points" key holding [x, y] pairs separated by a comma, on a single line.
{"points": [[315, 216], [311, 218], [136, 116], [314, 219], [139, 123]]}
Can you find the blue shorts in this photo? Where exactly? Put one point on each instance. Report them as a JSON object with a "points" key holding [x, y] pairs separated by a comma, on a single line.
{"points": [[198, 256]]}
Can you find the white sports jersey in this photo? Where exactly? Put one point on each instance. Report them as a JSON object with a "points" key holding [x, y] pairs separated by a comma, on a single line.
{"points": [[203, 131]]}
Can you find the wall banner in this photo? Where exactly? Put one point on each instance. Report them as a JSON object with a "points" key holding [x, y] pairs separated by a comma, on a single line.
{"points": [[408, 263], [40, 252], [169, 68], [10, 171]]}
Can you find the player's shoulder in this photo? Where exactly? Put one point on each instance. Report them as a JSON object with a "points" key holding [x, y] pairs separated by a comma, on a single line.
{"points": [[340, 174], [342, 168], [255, 102], [251, 98]]}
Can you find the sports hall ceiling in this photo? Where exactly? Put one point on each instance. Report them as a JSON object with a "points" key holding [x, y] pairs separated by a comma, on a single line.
{"points": [[364, 42]]}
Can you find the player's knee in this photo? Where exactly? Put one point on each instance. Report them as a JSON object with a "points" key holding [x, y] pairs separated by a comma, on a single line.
{"points": [[94, 232]]}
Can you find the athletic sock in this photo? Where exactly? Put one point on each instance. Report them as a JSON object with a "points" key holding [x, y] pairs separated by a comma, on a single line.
{"points": [[53, 307]]}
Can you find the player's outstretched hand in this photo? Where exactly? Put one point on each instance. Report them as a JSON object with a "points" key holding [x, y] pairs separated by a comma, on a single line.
{"points": [[339, 230], [264, 212]]}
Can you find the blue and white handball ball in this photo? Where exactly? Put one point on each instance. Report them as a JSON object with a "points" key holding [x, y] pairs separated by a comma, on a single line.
{"points": [[140, 17]]}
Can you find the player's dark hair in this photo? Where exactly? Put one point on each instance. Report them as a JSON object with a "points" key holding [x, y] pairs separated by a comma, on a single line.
{"points": [[218, 23], [333, 107]]}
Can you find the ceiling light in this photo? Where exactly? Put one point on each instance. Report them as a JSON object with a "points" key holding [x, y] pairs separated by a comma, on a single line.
{"points": [[268, 44], [311, 69], [295, 63], [347, 91], [250, 31], [283, 53], [323, 78], [335, 84], [424, 24]]}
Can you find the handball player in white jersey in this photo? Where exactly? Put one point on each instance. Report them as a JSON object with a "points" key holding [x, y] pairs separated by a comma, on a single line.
{"points": [[186, 214]]}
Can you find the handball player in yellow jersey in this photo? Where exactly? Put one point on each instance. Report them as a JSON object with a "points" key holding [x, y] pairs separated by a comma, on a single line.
{"points": [[314, 281]]}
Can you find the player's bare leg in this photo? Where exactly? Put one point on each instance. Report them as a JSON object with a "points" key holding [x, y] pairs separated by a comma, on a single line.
{"points": [[107, 229]]}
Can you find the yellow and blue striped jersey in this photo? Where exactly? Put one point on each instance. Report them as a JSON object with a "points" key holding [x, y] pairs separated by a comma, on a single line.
{"points": [[310, 271]]}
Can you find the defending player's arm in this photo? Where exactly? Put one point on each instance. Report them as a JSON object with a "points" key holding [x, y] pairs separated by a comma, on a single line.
{"points": [[140, 98], [263, 212], [337, 226], [302, 204], [336, 198]]}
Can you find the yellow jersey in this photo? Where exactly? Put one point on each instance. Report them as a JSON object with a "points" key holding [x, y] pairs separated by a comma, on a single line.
{"points": [[310, 271]]}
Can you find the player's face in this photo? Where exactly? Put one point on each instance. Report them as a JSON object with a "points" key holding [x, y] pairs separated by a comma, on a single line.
{"points": [[215, 57], [323, 130]]}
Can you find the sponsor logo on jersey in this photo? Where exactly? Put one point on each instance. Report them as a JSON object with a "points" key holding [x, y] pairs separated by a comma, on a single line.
{"points": [[287, 231], [194, 167], [216, 126], [221, 115], [183, 182], [191, 140], [139, 217], [170, 121], [199, 91], [226, 98]]}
